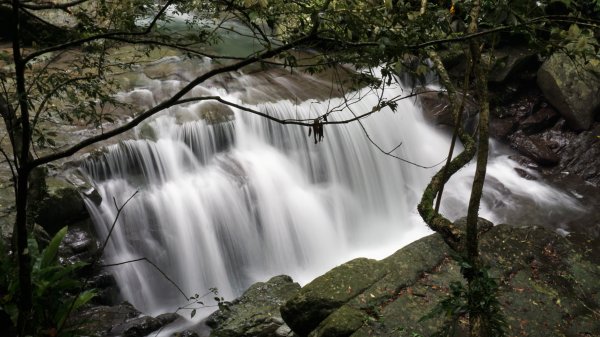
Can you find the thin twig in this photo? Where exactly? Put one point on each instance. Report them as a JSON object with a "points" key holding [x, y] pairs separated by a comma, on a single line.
{"points": [[153, 265]]}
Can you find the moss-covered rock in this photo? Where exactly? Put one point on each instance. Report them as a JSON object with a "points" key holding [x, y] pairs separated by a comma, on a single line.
{"points": [[61, 205], [573, 87], [329, 292], [256, 312], [62, 202], [342, 322], [548, 287]]}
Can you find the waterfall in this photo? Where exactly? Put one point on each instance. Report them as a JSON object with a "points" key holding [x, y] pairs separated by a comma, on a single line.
{"points": [[226, 203]]}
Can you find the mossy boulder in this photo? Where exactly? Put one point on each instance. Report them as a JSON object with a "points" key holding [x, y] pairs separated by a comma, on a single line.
{"points": [[62, 202], [61, 205], [357, 288], [548, 287], [329, 292], [256, 312], [572, 86]]}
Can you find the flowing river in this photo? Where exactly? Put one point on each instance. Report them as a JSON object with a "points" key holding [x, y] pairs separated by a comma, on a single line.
{"points": [[232, 199]]}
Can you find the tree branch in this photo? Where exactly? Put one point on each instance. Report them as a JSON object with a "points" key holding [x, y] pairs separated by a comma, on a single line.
{"points": [[173, 100]]}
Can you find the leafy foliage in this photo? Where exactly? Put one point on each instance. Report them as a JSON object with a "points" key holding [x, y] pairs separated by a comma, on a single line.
{"points": [[56, 288]]}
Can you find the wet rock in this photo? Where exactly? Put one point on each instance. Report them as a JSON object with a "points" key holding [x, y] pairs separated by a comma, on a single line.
{"points": [[215, 112], [98, 321], [579, 151], [524, 174], [502, 128], [62, 205], [78, 240], [581, 155], [436, 109], [572, 88], [533, 148], [167, 318], [186, 333], [137, 327], [540, 120], [256, 312], [142, 326], [107, 292]]}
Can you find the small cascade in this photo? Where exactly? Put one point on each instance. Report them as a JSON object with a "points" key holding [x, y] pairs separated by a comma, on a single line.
{"points": [[224, 203]]}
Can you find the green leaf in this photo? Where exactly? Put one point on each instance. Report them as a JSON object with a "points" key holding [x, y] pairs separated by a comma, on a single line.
{"points": [[193, 313], [49, 254], [68, 307]]}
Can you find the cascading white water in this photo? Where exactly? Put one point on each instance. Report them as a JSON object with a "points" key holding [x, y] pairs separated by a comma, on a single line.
{"points": [[226, 204]]}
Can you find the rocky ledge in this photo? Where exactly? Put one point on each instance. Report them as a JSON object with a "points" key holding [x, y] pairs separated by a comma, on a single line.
{"points": [[548, 287]]}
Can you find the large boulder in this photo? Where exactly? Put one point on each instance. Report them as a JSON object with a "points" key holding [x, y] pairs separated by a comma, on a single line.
{"points": [[348, 296], [62, 202], [573, 87], [548, 286], [579, 152], [256, 312]]}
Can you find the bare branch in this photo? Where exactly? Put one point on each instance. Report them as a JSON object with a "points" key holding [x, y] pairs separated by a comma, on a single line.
{"points": [[112, 227], [155, 267]]}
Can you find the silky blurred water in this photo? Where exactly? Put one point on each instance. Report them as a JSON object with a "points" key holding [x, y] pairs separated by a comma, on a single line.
{"points": [[231, 203]]}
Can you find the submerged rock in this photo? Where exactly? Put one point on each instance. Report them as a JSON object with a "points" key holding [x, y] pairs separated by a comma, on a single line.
{"points": [[547, 288], [256, 312]]}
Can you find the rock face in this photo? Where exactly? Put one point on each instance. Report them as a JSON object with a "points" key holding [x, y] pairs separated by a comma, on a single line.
{"points": [[548, 288], [580, 154], [256, 312], [572, 88]]}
